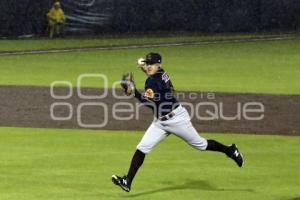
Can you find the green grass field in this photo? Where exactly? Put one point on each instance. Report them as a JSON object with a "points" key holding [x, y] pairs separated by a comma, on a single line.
{"points": [[77, 164], [111, 40], [260, 67], [42, 164]]}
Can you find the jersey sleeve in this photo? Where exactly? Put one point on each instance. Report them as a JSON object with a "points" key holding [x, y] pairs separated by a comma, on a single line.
{"points": [[140, 97], [146, 97], [150, 89]]}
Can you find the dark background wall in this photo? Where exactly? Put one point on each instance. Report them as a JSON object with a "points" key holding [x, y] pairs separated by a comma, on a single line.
{"points": [[28, 17]]}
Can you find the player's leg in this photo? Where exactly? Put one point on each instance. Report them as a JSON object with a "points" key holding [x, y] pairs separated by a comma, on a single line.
{"points": [[125, 181], [153, 136], [183, 128], [188, 133]]}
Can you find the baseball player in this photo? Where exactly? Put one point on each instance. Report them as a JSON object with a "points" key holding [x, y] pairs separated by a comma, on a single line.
{"points": [[170, 118]]}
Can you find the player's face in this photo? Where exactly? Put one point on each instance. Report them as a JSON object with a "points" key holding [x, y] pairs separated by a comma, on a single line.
{"points": [[151, 69]]}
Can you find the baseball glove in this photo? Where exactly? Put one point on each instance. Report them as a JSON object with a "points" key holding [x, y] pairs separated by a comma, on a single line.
{"points": [[127, 83]]}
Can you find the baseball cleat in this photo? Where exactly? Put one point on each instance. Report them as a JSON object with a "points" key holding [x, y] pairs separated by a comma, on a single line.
{"points": [[235, 154], [122, 182]]}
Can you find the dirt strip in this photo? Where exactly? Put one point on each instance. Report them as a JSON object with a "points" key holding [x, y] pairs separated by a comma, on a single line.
{"points": [[213, 112], [133, 46]]}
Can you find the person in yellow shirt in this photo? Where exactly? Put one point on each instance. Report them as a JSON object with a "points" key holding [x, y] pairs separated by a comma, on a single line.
{"points": [[56, 20]]}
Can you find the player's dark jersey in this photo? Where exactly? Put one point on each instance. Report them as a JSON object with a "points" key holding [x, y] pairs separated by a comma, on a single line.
{"points": [[158, 94]]}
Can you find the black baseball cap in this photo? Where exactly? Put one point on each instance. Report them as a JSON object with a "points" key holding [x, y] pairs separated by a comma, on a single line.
{"points": [[153, 58]]}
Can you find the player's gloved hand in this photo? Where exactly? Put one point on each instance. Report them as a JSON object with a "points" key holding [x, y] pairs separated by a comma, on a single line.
{"points": [[127, 83]]}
